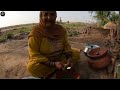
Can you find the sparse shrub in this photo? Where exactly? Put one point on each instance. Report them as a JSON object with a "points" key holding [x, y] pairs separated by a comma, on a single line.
{"points": [[21, 31], [2, 40], [9, 35], [24, 30], [6, 36], [71, 33]]}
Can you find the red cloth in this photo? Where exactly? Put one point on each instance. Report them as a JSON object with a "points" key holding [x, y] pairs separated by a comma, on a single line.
{"points": [[67, 74]]}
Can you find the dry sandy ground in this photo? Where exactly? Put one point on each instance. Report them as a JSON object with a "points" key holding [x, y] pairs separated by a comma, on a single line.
{"points": [[14, 57]]}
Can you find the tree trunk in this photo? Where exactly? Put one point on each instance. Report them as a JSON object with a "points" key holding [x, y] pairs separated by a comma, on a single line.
{"points": [[117, 43]]}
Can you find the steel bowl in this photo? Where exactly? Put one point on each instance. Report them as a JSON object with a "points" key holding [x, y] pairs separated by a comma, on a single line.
{"points": [[88, 48]]}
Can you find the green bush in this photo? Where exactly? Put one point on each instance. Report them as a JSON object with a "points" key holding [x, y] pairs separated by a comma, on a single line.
{"points": [[6, 36], [71, 33], [24, 30], [2, 40], [9, 35]]}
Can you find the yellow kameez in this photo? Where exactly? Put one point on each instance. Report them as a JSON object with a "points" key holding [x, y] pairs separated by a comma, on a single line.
{"points": [[40, 49]]}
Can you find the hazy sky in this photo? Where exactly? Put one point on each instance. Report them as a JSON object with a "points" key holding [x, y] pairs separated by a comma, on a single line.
{"points": [[24, 17]]}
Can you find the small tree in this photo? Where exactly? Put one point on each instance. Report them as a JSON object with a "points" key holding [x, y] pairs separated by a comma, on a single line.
{"points": [[68, 22], [117, 46], [104, 17]]}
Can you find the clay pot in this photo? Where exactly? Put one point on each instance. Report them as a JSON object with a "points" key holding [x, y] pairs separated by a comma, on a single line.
{"points": [[97, 53], [99, 58]]}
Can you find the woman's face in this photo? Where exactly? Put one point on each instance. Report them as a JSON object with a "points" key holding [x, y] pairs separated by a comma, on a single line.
{"points": [[48, 18]]}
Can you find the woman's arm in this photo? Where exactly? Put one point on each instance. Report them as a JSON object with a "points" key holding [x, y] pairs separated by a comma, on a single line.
{"points": [[34, 50]]}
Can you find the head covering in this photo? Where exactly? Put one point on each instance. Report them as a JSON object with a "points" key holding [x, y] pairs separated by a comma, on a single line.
{"points": [[42, 22], [53, 32]]}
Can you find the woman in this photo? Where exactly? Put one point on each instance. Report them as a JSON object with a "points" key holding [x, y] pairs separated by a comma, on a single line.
{"points": [[48, 47]]}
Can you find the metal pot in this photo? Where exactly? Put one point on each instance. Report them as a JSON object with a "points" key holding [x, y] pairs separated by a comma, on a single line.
{"points": [[88, 48]]}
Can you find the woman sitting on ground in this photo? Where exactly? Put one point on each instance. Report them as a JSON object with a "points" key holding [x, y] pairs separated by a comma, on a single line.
{"points": [[48, 47]]}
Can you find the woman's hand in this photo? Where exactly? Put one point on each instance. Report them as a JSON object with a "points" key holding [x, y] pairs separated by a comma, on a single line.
{"points": [[59, 65], [68, 64]]}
